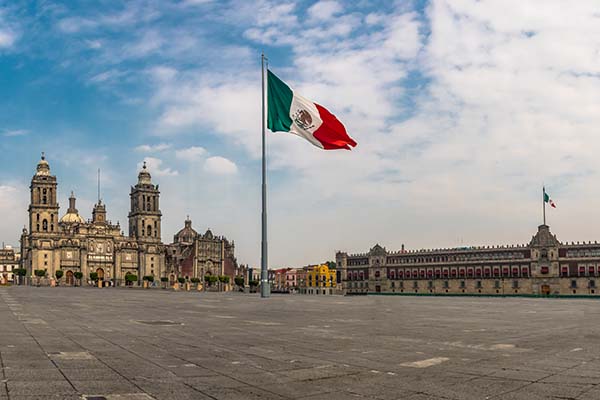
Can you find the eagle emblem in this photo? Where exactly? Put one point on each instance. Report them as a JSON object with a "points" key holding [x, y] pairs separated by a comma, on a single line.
{"points": [[303, 119]]}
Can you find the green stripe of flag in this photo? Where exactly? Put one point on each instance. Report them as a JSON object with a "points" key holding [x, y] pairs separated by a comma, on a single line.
{"points": [[279, 101]]}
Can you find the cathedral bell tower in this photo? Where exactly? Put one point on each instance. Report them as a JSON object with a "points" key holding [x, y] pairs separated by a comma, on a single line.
{"points": [[144, 217], [43, 207]]}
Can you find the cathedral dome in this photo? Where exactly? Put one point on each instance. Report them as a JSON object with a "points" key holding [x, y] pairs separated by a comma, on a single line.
{"points": [[187, 234], [72, 214], [144, 176], [43, 168]]}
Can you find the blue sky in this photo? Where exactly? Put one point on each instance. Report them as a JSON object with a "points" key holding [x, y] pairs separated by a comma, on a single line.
{"points": [[462, 109]]}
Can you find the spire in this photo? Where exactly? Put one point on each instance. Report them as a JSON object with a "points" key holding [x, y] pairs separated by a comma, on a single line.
{"points": [[43, 168], [72, 200]]}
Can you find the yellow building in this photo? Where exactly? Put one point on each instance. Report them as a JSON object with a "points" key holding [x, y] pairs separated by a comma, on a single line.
{"points": [[320, 279]]}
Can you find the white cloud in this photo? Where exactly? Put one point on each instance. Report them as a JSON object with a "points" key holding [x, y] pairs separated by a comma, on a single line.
{"points": [[154, 166], [7, 38], [324, 9], [193, 153], [152, 148], [220, 166], [16, 132]]}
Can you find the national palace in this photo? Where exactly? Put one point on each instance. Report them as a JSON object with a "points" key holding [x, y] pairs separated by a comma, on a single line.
{"points": [[545, 266], [69, 243]]}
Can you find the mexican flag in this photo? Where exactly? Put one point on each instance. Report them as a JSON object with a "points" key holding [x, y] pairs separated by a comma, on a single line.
{"points": [[290, 112], [548, 200]]}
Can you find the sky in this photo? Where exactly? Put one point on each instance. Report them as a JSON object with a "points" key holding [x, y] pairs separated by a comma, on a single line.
{"points": [[462, 110]]}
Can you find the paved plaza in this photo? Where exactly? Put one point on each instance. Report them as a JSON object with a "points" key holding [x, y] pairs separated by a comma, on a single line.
{"points": [[134, 344]]}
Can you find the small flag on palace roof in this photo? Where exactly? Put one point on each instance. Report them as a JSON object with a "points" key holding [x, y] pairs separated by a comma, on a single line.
{"points": [[290, 112], [548, 200]]}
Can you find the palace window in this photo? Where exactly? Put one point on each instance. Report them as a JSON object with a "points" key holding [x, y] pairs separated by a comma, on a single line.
{"points": [[462, 284], [478, 284], [446, 284], [515, 271], [525, 271], [582, 271], [515, 284], [573, 284], [564, 270], [592, 284], [377, 274], [497, 284], [591, 270]]}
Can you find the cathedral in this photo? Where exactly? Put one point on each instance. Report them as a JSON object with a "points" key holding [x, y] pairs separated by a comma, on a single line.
{"points": [[71, 244]]}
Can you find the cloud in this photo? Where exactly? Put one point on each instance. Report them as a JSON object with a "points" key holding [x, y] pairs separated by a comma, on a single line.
{"points": [[16, 132], [193, 153], [324, 10], [7, 38], [152, 148], [154, 166], [220, 166]]}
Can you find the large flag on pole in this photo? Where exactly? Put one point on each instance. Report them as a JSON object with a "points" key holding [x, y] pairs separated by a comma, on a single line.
{"points": [[290, 112]]}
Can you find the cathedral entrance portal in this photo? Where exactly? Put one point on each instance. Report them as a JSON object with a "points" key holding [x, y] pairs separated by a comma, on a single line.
{"points": [[100, 273], [69, 278], [545, 290]]}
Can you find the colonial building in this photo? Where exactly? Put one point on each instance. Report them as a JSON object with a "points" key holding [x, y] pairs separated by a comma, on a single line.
{"points": [[545, 266], [319, 280], [72, 244], [9, 261], [194, 255]]}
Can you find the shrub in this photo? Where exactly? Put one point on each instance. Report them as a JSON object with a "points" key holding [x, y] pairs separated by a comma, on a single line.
{"points": [[195, 280], [253, 283], [149, 278], [239, 280], [78, 275], [130, 278], [93, 276], [164, 279], [181, 280], [59, 274], [223, 279], [40, 273]]}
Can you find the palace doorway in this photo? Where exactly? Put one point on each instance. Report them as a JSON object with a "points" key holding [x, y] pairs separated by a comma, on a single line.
{"points": [[545, 290], [69, 278]]}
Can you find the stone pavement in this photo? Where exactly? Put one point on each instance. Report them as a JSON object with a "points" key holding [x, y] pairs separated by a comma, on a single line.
{"points": [[131, 344]]}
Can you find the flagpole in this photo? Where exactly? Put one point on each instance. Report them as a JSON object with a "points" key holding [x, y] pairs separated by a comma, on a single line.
{"points": [[265, 290], [544, 202]]}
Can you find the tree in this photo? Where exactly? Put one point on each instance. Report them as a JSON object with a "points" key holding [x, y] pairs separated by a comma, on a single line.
{"points": [[164, 281], [93, 276], [149, 278], [20, 272], [130, 278], [239, 280], [195, 280], [59, 274], [330, 264], [223, 279], [253, 283], [181, 280], [78, 275], [39, 273]]}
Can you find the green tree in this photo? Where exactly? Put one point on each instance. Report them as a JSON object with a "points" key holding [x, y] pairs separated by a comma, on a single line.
{"points": [[149, 278], [224, 279], [130, 278], [78, 275], [181, 280], [239, 280], [93, 276], [164, 281], [39, 273], [20, 272], [59, 274]]}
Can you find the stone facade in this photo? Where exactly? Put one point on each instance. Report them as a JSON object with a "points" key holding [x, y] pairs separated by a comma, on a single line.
{"points": [[194, 255], [9, 261], [545, 266], [72, 244]]}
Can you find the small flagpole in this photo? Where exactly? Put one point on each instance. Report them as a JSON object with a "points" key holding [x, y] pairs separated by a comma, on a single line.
{"points": [[265, 290], [544, 202]]}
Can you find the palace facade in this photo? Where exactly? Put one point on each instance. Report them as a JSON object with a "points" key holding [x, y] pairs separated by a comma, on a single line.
{"points": [[545, 266]]}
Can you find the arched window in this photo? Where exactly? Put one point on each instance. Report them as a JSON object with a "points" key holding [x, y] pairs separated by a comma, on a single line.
{"points": [[45, 225], [149, 230], [51, 227], [38, 227], [44, 197], [37, 217]]}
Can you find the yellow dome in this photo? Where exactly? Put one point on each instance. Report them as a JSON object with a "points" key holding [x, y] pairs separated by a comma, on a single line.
{"points": [[72, 217]]}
